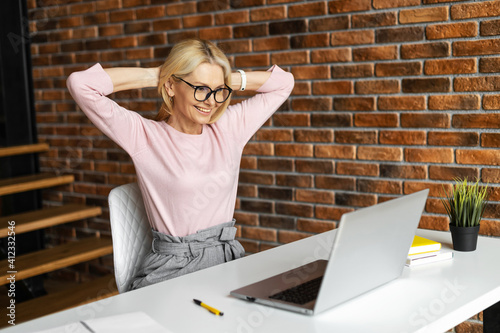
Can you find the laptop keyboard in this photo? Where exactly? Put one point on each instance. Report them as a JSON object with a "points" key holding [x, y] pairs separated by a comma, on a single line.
{"points": [[301, 294]]}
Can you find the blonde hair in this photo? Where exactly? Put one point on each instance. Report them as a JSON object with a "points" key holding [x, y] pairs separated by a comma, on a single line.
{"points": [[183, 59]]}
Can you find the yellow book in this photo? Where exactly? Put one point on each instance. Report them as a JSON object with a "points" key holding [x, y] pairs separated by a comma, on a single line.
{"points": [[423, 245]]}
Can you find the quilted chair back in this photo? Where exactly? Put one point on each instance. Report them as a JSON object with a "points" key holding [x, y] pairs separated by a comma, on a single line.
{"points": [[130, 231]]}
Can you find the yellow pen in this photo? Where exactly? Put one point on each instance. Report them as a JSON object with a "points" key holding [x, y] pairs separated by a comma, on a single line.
{"points": [[209, 308]]}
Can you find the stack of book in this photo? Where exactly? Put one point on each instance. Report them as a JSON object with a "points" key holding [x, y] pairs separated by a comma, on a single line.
{"points": [[425, 251]]}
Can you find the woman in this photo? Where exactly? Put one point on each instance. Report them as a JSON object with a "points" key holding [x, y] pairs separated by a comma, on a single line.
{"points": [[187, 159]]}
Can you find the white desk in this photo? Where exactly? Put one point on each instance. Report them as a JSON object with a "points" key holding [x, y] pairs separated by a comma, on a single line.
{"points": [[429, 298]]}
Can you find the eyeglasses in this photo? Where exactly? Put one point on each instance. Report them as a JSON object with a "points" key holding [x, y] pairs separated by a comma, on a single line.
{"points": [[202, 93]]}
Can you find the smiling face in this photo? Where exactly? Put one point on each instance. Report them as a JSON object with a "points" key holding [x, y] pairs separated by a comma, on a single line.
{"points": [[188, 114]]}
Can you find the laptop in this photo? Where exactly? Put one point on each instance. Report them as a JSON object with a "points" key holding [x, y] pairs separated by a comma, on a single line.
{"points": [[370, 249]]}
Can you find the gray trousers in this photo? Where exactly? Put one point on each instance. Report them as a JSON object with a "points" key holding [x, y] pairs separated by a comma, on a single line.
{"points": [[173, 256]]}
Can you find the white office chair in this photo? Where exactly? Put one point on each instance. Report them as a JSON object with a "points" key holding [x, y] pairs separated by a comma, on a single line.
{"points": [[130, 231]]}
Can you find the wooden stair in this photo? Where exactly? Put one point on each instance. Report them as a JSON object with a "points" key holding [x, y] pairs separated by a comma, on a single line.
{"points": [[79, 294], [58, 257]]}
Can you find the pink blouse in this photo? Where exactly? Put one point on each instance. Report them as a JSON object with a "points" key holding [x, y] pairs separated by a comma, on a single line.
{"points": [[188, 182]]}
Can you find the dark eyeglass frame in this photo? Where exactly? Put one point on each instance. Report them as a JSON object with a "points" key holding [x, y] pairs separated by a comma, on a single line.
{"points": [[214, 92]]}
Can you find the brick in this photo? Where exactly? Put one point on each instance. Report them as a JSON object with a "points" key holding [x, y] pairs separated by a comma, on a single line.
{"points": [[197, 21], [294, 209], [287, 27], [379, 4], [426, 50], [482, 157], [274, 164], [250, 31], [376, 120], [279, 222], [180, 9], [491, 102], [352, 37], [307, 9], [139, 54], [310, 41], [354, 103], [490, 175], [152, 39], [361, 169], [268, 13], [168, 24], [450, 66], [355, 199], [396, 35], [388, 52], [380, 186], [301, 89], [335, 183], [451, 173], [313, 135], [330, 213], [246, 218], [295, 120], [348, 6], [315, 196], [261, 148], [359, 137], [373, 153], [271, 44], [429, 155], [247, 3], [335, 151], [315, 226], [256, 60], [476, 47], [296, 150], [331, 120], [398, 68], [264, 234], [215, 33], [289, 58], [478, 83], [294, 180], [429, 14], [425, 120], [275, 193], [403, 171], [235, 46], [331, 55], [311, 72], [249, 191], [312, 104], [373, 20], [329, 24], [211, 6], [425, 85], [452, 30], [332, 88], [474, 10], [361, 70], [315, 166], [274, 135], [489, 65], [490, 28], [401, 103], [490, 228], [111, 30], [377, 87], [454, 102], [256, 178], [402, 137], [453, 139], [291, 236], [232, 17], [150, 12], [435, 189]]}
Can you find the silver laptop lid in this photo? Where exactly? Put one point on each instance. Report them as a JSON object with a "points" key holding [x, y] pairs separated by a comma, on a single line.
{"points": [[370, 256]]}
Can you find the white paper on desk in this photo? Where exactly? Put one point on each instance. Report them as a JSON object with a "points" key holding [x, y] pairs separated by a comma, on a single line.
{"points": [[124, 323]]}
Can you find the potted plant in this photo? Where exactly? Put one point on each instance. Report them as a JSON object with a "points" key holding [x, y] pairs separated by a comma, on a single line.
{"points": [[465, 205]]}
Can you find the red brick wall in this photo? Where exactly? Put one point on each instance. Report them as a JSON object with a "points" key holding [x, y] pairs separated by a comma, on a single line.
{"points": [[391, 96]]}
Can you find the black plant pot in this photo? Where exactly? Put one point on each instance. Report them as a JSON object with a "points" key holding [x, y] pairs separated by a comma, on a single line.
{"points": [[464, 238]]}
